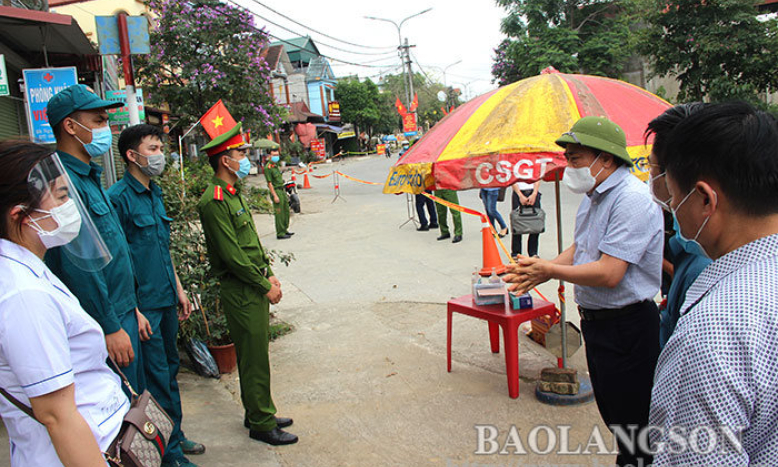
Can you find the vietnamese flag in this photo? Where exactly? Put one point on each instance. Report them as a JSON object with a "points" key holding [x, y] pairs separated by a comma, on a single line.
{"points": [[217, 120], [415, 103], [400, 107]]}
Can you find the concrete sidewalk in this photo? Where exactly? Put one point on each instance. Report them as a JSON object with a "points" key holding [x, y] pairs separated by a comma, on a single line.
{"points": [[364, 372]]}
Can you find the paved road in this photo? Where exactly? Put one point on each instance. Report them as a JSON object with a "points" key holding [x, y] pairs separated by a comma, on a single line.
{"points": [[364, 372]]}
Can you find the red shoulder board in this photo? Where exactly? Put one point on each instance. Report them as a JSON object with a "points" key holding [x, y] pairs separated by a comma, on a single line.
{"points": [[218, 194], [231, 189]]}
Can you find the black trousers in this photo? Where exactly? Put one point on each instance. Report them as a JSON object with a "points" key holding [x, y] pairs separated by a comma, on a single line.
{"points": [[622, 355], [422, 202], [532, 243]]}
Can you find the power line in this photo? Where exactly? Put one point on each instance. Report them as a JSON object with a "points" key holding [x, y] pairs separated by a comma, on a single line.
{"points": [[262, 31], [318, 32], [321, 55], [298, 34], [422, 70]]}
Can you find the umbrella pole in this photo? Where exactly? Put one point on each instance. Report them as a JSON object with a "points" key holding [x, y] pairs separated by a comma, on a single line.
{"points": [[560, 248]]}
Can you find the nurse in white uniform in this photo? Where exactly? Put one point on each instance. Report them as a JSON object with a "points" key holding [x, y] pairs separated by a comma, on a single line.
{"points": [[52, 353]]}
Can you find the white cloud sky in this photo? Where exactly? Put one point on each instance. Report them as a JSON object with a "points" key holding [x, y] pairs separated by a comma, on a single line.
{"points": [[451, 31]]}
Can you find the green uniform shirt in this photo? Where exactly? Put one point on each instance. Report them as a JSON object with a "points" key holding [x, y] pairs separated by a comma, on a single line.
{"points": [[147, 229], [108, 294], [273, 175], [231, 236]]}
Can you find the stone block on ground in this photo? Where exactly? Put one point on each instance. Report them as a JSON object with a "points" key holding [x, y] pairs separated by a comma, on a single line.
{"points": [[559, 375], [559, 388]]}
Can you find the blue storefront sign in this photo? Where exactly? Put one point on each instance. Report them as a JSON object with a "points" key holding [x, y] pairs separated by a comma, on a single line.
{"points": [[39, 86]]}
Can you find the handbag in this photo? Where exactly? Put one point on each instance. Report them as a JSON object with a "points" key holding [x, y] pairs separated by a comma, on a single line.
{"points": [[144, 434], [528, 220], [145, 431]]}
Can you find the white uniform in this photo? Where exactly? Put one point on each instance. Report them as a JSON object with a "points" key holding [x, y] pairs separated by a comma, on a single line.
{"points": [[47, 342]]}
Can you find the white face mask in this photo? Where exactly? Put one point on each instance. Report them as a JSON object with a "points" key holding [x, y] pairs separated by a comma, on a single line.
{"points": [[651, 181], [580, 180], [68, 222]]}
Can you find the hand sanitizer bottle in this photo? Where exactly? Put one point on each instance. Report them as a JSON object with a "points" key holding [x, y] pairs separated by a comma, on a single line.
{"points": [[494, 278]]}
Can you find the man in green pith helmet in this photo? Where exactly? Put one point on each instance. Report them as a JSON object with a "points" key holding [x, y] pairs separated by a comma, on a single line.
{"points": [[248, 285], [615, 263], [275, 183]]}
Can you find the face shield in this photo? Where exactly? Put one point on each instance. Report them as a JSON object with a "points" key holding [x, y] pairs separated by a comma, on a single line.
{"points": [[62, 219]]}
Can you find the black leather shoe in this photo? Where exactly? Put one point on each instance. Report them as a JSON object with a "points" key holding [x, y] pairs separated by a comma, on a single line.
{"points": [[290, 233], [433, 226], [282, 422], [457, 239], [423, 228], [275, 437], [444, 236], [283, 237]]}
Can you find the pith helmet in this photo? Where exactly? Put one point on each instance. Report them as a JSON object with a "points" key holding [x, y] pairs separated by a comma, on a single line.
{"points": [[598, 133]]}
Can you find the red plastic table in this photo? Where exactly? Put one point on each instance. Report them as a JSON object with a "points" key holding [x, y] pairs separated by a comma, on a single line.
{"points": [[496, 316]]}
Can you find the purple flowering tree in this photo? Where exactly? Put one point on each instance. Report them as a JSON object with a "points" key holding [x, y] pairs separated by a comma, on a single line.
{"points": [[203, 51]]}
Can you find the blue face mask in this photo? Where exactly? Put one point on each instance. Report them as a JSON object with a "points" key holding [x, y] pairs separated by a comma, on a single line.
{"points": [[101, 140], [243, 169], [275, 159], [690, 245]]}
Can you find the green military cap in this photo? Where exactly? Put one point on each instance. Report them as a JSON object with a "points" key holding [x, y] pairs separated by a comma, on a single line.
{"points": [[598, 133], [232, 139], [74, 98]]}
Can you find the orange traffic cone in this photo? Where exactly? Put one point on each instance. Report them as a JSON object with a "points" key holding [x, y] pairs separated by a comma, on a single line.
{"points": [[294, 179], [491, 254], [306, 182]]}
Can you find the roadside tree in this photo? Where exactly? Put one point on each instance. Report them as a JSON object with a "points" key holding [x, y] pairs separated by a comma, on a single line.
{"points": [[206, 50], [717, 49], [573, 36]]}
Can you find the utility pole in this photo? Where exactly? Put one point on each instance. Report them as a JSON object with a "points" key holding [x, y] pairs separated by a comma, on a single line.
{"points": [[404, 49], [409, 72], [129, 78]]}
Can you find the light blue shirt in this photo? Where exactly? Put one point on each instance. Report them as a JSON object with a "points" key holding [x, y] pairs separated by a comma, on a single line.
{"points": [[48, 342], [719, 367], [620, 219]]}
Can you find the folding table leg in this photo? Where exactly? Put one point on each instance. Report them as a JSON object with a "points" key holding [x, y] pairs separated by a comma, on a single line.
{"points": [[494, 337], [511, 332], [448, 339]]}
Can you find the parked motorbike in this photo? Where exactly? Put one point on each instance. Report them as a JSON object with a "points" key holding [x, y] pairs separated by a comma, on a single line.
{"points": [[294, 199]]}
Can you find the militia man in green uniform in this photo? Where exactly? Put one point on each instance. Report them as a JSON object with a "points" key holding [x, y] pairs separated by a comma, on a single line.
{"points": [[79, 120], [137, 200], [275, 183], [450, 196], [248, 284]]}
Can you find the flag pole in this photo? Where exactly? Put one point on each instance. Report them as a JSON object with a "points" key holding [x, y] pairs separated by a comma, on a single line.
{"points": [[181, 150]]}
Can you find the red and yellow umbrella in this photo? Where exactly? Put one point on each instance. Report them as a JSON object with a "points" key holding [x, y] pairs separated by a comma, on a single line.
{"points": [[508, 134]]}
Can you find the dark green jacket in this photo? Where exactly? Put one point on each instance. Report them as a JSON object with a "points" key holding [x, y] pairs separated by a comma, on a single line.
{"points": [[108, 294], [147, 229]]}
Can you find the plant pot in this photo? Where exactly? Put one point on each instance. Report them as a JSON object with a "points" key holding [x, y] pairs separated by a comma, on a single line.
{"points": [[225, 356]]}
